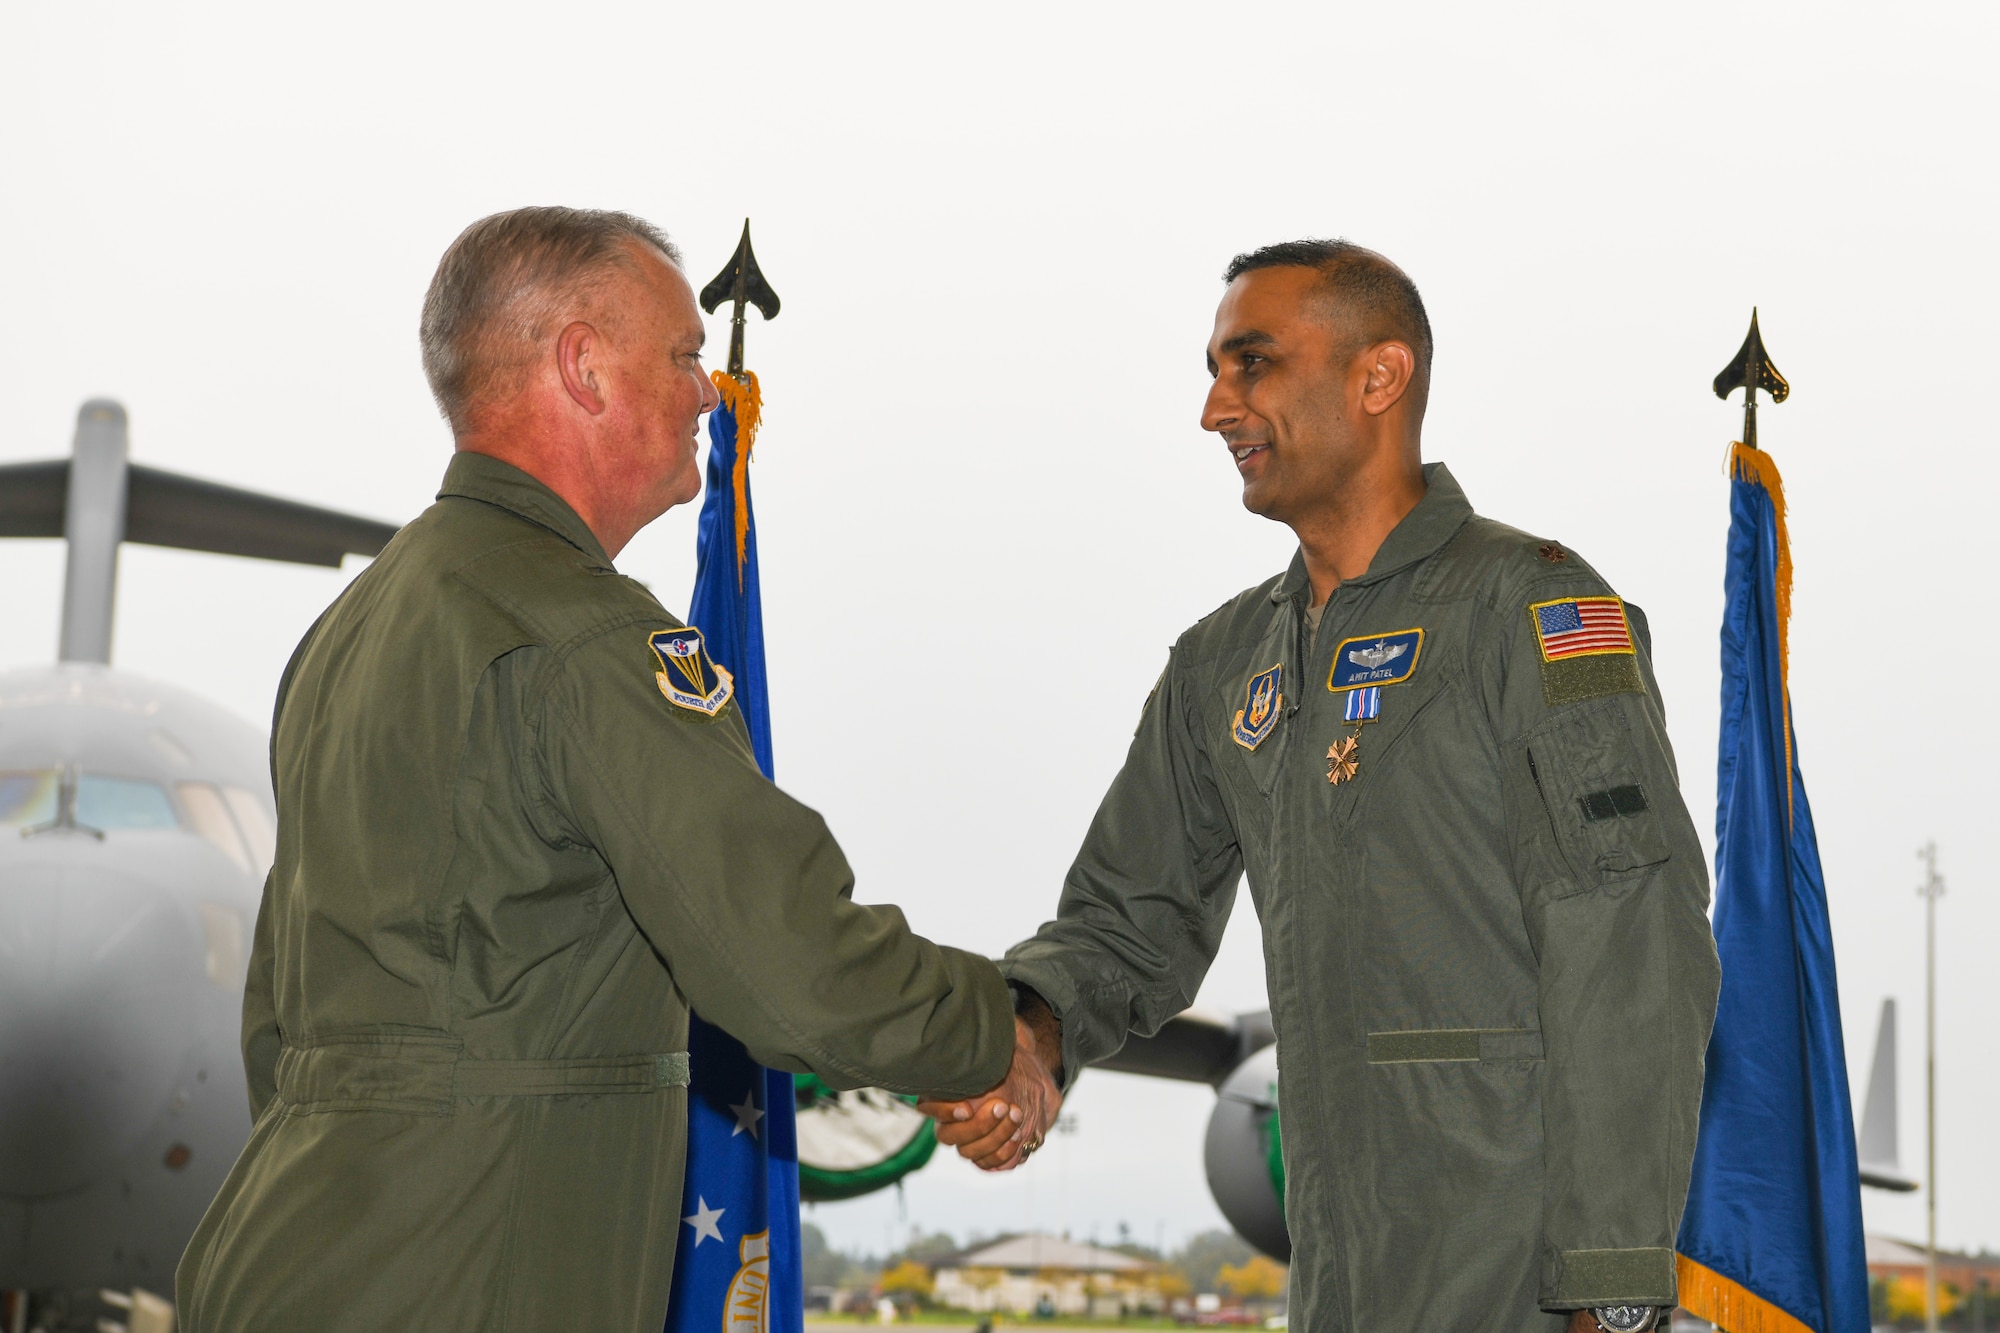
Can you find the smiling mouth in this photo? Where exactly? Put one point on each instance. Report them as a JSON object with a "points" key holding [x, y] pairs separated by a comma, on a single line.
{"points": [[1245, 451]]}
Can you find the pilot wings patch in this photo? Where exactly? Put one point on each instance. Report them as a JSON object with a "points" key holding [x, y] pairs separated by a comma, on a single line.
{"points": [[687, 676], [1375, 659]]}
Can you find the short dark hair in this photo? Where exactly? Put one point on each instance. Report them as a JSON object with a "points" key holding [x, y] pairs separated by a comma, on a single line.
{"points": [[1379, 296], [504, 279]]}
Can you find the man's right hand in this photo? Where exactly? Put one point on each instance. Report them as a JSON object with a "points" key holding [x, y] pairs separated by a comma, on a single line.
{"points": [[1000, 1129]]}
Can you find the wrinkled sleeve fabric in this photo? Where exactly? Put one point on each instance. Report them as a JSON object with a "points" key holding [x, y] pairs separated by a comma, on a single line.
{"points": [[1614, 892], [746, 896], [1144, 905]]}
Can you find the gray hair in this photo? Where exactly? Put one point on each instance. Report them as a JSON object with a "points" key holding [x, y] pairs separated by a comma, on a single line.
{"points": [[501, 284]]}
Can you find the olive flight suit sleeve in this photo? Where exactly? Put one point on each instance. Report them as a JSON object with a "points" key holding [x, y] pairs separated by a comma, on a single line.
{"points": [[1144, 905], [1614, 891], [261, 1039], [745, 894]]}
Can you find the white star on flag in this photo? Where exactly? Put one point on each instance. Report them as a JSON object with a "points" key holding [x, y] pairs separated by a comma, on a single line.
{"points": [[704, 1220], [747, 1115]]}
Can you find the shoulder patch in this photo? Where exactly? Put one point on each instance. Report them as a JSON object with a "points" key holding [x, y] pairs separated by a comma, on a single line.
{"points": [[1261, 705], [1586, 649], [687, 677]]}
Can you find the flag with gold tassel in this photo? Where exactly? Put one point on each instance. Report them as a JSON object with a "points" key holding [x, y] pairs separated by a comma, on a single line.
{"points": [[737, 1266], [1771, 1239]]}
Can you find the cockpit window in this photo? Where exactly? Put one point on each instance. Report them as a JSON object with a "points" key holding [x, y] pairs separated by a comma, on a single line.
{"points": [[110, 804], [256, 826], [211, 820], [233, 820], [27, 799]]}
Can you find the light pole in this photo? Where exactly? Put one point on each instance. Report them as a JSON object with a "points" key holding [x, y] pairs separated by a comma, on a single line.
{"points": [[1930, 891]]}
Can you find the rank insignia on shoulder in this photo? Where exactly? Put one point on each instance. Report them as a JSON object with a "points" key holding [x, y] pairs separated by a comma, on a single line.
{"points": [[1375, 659], [687, 676], [1261, 705]]}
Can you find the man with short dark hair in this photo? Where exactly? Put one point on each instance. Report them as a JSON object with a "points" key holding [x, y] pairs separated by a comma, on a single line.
{"points": [[1436, 747], [520, 833]]}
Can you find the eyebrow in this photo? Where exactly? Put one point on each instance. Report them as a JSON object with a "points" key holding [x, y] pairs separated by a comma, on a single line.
{"points": [[1248, 338]]}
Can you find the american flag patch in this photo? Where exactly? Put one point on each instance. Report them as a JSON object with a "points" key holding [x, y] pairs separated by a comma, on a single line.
{"points": [[1581, 627]]}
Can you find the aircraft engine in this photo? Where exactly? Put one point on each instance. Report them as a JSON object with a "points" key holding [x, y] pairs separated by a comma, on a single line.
{"points": [[1246, 1174], [854, 1143]]}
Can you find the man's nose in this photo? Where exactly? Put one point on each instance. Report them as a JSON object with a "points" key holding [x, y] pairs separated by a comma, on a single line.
{"points": [[1221, 410], [711, 397]]}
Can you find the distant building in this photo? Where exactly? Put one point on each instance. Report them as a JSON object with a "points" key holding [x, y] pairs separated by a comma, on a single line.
{"points": [[1026, 1274], [1899, 1258]]}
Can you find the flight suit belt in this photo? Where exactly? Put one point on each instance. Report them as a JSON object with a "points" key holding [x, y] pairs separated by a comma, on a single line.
{"points": [[427, 1074]]}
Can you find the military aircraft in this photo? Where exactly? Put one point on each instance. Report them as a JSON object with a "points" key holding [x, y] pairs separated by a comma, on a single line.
{"points": [[136, 825]]}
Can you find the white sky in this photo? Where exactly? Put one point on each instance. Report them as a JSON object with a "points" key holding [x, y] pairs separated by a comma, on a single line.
{"points": [[986, 505]]}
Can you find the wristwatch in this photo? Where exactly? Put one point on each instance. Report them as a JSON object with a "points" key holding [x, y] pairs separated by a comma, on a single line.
{"points": [[1626, 1318]]}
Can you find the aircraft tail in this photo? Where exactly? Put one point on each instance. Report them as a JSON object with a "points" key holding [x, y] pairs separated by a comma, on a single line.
{"points": [[1880, 1160], [98, 499]]}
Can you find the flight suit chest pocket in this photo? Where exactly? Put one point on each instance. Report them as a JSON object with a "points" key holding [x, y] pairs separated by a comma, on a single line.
{"points": [[1600, 796]]}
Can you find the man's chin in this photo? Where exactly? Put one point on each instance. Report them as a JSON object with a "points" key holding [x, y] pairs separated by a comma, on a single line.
{"points": [[1260, 498]]}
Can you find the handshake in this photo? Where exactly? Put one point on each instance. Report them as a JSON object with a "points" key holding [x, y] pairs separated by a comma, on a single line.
{"points": [[999, 1129]]}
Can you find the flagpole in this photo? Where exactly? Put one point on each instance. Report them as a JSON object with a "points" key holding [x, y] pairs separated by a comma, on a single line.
{"points": [[1930, 891]]}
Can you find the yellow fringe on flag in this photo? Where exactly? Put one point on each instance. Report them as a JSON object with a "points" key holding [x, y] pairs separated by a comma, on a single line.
{"points": [[1759, 468], [1726, 1304], [746, 403]]}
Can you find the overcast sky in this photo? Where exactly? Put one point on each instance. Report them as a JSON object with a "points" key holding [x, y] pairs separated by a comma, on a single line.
{"points": [[986, 504]]}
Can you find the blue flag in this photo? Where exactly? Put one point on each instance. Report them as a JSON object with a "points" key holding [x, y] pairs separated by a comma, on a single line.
{"points": [[737, 1266], [1771, 1239]]}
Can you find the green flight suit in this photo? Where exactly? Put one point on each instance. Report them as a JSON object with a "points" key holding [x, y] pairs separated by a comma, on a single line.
{"points": [[1490, 965], [507, 865]]}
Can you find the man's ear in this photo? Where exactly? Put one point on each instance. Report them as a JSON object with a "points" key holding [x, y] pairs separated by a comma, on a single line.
{"points": [[578, 350], [1391, 368]]}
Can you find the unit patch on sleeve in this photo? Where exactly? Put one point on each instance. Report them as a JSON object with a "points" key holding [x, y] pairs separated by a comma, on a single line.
{"points": [[687, 676], [1375, 659], [1259, 714], [1586, 649]]}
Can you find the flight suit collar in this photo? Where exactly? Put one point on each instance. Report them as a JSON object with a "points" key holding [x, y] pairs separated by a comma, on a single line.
{"points": [[1421, 534], [478, 476]]}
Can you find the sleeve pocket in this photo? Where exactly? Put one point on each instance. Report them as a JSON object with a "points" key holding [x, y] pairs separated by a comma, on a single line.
{"points": [[1600, 801]]}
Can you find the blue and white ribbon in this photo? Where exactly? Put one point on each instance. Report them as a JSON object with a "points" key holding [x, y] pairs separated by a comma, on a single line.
{"points": [[1363, 704]]}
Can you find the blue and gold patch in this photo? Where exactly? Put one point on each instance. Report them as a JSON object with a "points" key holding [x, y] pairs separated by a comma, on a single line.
{"points": [[686, 675], [1261, 704], [1375, 659]]}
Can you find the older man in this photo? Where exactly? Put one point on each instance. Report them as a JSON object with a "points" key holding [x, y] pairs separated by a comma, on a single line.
{"points": [[520, 833], [1436, 746]]}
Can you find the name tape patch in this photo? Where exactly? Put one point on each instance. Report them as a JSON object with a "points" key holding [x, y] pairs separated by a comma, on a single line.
{"points": [[1375, 659], [687, 676]]}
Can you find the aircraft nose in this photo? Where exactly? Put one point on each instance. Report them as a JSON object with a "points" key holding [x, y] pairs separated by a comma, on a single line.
{"points": [[95, 1020]]}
